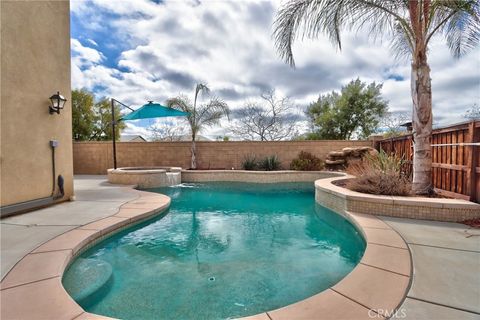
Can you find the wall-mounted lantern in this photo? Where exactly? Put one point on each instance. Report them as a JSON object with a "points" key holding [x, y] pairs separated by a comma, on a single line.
{"points": [[58, 102]]}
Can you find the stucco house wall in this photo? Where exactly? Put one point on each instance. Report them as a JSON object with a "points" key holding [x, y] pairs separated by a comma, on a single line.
{"points": [[35, 63]]}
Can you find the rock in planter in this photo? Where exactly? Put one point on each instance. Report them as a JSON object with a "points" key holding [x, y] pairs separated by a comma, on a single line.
{"points": [[335, 154], [373, 152], [335, 162], [347, 151], [338, 160]]}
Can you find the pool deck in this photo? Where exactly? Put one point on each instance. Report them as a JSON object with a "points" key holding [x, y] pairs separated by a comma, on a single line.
{"points": [[446, 258], [95, 199], [446, 263]]}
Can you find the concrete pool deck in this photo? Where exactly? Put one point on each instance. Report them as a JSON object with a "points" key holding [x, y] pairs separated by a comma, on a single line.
{"points": [[446, 261], [95, 199], [446, 258]]}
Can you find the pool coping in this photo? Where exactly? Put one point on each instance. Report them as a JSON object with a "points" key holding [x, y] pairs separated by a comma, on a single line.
{"points": [[378, 284], [375, 287], [436, 209], [255, 176], [33, 288]]}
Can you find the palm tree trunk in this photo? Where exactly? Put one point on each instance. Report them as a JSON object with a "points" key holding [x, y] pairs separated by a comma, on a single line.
{"points": [[422, 124], [193, 163]]}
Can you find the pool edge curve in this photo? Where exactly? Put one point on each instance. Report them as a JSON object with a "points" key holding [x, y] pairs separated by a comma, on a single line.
{"points": [[377, 284]]}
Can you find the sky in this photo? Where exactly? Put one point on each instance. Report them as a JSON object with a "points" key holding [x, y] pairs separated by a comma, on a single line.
{"points": [[142, 50]]}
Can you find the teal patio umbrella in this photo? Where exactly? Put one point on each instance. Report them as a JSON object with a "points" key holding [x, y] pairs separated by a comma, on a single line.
{"points": [[153, 110], [148, 111]]}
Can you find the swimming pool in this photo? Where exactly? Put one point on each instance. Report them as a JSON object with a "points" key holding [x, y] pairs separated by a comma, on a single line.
{"points": [[223, 250]]}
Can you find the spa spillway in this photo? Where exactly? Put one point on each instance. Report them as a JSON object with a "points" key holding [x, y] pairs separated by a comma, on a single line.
{"points": [[146, 177]]}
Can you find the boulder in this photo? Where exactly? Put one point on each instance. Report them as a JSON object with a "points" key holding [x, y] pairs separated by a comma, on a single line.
{"points": [[373, 152], [355, 153], [337, 160], [335, 154], [347, 151], [334, 162]]}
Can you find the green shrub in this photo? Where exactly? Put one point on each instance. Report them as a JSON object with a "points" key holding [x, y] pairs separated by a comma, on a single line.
{"points": [[250, 162], [305, 161], [380, 174], [270, 163]]}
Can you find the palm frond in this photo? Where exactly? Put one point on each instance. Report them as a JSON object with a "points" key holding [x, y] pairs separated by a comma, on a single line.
{"points": [[200, 88], [210, 114], [310, 18], [401, 44], [207, 114], [459, 21], [462, 30], [286, 25], [181, 103]]}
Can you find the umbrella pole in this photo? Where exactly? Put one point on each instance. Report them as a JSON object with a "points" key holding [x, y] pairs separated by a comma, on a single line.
{"points": [[114, 136], [114, 132]]}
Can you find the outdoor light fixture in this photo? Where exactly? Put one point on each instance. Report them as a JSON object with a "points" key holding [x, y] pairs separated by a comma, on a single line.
{"points": [[58, 102]]}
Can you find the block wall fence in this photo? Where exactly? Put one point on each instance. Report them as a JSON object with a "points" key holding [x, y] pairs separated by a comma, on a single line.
{"points": [[96, 157]]}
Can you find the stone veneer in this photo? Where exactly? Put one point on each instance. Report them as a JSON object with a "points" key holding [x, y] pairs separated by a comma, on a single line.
{"points": [[342, 199]]}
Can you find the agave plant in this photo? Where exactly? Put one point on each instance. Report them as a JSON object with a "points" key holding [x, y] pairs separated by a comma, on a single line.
{"points": [[200, 116], [270, 163], [250, 162], [411, 25]]}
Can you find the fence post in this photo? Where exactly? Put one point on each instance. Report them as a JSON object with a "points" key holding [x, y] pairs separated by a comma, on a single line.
{"points": [[375, 139], [472, 154]]}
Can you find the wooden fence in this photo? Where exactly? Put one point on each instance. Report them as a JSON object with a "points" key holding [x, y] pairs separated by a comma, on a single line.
{"points": [[455, 157]]}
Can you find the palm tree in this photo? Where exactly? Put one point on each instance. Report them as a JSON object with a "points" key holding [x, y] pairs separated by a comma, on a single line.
{"points": [[200, 116], [410, 24]]}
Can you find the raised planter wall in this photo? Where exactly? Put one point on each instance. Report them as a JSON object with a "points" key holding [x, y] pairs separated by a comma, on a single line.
{"points": [[342, 199]]}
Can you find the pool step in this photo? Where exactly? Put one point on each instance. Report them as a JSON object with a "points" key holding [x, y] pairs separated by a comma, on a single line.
{"points": [[88, 280]]}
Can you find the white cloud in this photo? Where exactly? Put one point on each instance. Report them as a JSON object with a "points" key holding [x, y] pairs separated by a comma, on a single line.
{"points": [[93, 42], [133, 129], [85, 56], [228, 44]]}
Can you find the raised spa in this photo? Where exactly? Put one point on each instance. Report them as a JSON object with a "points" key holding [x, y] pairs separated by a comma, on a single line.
{"points": [[223, 250], [146, 177]]}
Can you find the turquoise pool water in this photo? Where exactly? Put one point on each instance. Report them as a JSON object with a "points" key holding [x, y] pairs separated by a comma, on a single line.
{"points": [[223, 250]]}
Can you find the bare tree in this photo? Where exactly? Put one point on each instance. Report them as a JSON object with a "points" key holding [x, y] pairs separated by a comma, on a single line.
{"points": [[166, 131], [271, 119], [473, 113], [392, 122]]}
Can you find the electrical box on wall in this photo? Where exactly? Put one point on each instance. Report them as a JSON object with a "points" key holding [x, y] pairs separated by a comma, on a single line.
{"points": [[53, 143]]}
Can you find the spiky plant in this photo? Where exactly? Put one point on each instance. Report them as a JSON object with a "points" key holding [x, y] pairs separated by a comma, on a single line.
{"points": [[410, 24], [200, 116]]}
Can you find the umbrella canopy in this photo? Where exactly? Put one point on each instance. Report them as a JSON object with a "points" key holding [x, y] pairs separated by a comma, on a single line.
{"points": [[153, 110], [147, 111]]}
